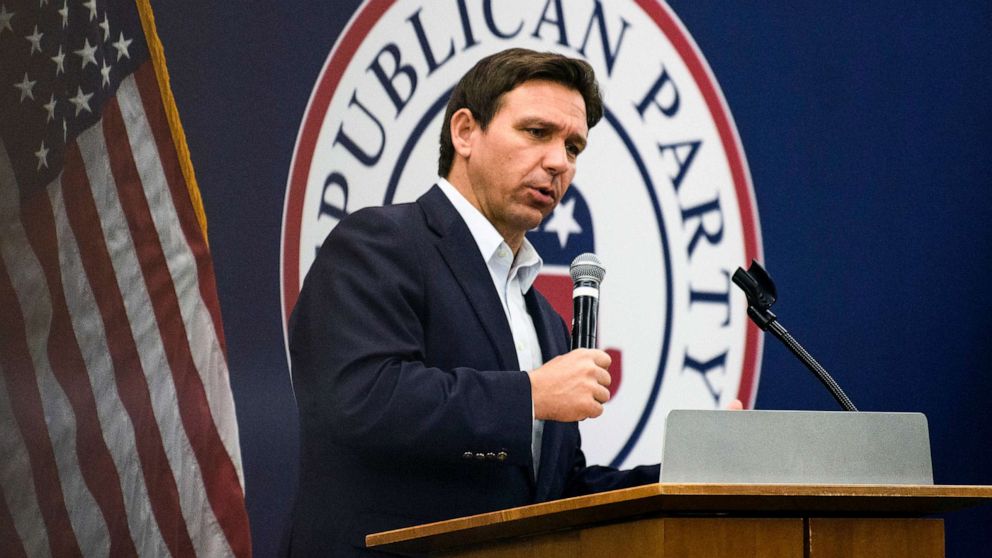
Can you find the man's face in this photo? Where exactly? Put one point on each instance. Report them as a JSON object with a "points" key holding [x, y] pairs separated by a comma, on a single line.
{"points": [[521, 165]]}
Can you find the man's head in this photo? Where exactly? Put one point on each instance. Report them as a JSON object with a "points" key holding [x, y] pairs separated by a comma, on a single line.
{"points": [[481, 90], [513, 129]]}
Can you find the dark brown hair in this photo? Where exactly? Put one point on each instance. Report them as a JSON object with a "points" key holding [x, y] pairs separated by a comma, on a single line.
{"points": [[481, 89]]}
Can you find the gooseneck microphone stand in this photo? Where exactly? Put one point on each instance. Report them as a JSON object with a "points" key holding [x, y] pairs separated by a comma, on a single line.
{"points": [[760, 291]]}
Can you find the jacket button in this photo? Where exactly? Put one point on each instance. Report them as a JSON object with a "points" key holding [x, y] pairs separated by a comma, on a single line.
{"points": [[480, 456], [491, 456], [501, 456], [467, 455]]}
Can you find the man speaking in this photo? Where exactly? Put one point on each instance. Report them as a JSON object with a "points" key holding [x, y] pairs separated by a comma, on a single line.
{"points": [[433, 382]]}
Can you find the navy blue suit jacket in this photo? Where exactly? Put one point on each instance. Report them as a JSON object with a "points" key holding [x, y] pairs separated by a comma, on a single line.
{"points": [[413, 407]]}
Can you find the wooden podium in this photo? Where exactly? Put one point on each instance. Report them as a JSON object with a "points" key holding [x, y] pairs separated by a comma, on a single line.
{"points": [[704, 520]]}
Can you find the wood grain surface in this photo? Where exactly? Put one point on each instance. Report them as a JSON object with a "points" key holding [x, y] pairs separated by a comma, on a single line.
{"points": [[668, 500]]}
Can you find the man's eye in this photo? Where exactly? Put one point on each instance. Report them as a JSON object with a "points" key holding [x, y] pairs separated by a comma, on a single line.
{"points": [[536, 132], [573, 150]]}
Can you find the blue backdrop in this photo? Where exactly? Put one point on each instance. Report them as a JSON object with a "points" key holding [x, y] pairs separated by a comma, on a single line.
{"points": [[868, 130]]}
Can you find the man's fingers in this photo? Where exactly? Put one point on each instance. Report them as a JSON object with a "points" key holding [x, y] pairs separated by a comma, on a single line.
{"points": [[572, 386], [595, 410], [603, 377], [602, 359]]}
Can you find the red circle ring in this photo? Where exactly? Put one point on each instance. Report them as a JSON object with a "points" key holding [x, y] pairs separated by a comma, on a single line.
{"points": [[671, 27]]}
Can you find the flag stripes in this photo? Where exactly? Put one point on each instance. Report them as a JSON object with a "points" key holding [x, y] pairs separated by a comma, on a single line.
{"points": [[117, 311], [25, 406], [66, 359], [90, 333], [10, 544], [202, 440], [112, 355], [24, 396], [180, 305], [185, 215]]}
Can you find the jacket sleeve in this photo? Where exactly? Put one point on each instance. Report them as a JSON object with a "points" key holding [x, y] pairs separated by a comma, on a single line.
{"points": [[585, 479], [588, 479], [358, 351]]}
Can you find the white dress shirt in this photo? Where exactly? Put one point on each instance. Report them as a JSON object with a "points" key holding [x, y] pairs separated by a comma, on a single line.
{"points": [[512, 277]]}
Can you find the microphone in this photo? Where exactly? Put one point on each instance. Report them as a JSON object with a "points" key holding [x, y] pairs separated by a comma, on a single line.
{"points": [[587, 273], [761, 294]]}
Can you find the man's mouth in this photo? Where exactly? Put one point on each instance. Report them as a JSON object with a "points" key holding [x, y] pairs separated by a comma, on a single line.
{"points": [[546, 194]]}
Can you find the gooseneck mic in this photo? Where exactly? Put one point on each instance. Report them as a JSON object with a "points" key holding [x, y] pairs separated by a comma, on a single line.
{"points": [[761, 294], [587, 273]]}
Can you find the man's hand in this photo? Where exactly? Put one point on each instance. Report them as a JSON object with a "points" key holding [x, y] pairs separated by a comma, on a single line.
{"points": [[571, 387]]}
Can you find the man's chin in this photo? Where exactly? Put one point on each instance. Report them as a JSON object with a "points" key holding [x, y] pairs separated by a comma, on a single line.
{"points": [[533, 224], [529, 217]]}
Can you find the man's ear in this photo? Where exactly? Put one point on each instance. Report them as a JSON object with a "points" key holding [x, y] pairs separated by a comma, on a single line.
{"points": [[463, 125]]}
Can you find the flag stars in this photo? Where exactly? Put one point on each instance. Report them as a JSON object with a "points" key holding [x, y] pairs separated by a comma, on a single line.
{"points": [[5, 18], [92, 6], [26, 86], [59, 60], [88, 53], [35, 40], [81, 102], [121, 45], [50, 107], [42, 155], [105, 72], [64, 12], [105, 25]]}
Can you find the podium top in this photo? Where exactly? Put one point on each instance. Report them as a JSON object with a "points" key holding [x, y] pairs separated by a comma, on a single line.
{"points": [[669, 499], [796, 447]]}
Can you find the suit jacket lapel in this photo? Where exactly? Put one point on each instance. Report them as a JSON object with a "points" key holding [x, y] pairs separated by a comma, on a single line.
{"points": [[461, 254], [548, 324]]}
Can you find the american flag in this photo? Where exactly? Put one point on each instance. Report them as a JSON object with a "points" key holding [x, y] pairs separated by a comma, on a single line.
{"points": [[117, 425]]}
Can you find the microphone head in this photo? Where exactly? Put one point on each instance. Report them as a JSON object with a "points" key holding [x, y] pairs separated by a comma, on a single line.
{"points": [[587, 267]]}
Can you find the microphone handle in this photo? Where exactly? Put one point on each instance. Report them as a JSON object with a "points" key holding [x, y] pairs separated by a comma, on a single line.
{"points": [[585, 307]]}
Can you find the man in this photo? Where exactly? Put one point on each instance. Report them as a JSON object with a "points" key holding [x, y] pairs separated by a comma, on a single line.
{"points": [[433, 382]]}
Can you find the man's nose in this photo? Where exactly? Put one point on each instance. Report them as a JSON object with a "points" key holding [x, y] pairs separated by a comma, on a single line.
{"points": [[556, 159]]}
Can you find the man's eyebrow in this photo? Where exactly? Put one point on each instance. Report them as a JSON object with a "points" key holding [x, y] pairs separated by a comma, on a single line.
{"points": [[578, 139], [538, 121]]}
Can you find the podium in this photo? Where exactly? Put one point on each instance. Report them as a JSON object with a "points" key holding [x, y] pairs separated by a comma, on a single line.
{"points": [[690, 520]]}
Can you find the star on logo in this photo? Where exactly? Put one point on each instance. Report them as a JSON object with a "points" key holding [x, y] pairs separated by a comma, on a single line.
{"points": [[81, 100], [87, 53], [121, 46], [26, 87], [563, 222]]}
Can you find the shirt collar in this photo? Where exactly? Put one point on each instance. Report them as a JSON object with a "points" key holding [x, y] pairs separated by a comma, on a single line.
{"points": [[527, 263]]}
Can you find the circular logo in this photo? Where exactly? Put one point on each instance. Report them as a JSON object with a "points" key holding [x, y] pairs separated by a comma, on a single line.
{"points": [[662, 194]]}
